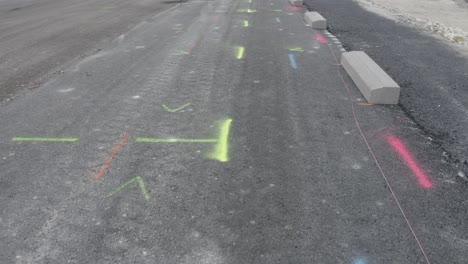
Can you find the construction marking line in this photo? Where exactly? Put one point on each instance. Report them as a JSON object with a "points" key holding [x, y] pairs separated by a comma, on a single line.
{"points": [[408, 159], [365, 104], [41, 139], [320, 38], [247, 10], [298, 49], [246, 23], [221, 150], [175, 109], [292, 61], [240, 53], [141, 184], [122, 141], [295, 8], [174, 140], [182, 52], [194, 45]]}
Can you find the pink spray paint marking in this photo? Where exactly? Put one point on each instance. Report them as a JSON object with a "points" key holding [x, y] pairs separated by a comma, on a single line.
{"points": [[294, 8], [397, 144], [320, 38]]}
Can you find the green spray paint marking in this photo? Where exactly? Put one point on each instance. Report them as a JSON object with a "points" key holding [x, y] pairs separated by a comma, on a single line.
{"points": [[41, 139], [247, 10], [174, 140], [246, 23], [141, 183], [299, 49], [240, 53], [221, 149], [277, 10], [176, 109], [182, 52]]}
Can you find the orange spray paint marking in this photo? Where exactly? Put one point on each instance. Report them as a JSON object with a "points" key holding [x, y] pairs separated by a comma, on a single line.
{"points": [[365, 104], [406, 156], [122, 141], [320, 38], [193, 47]]}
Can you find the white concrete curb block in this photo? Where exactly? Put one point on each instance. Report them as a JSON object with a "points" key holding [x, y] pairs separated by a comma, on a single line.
{"points": [[376, 86], [296, 2], [315, 20]]}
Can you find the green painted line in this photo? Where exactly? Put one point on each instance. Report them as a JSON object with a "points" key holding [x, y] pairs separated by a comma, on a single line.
{"points": [[246, 23], [299, 49], [182, 52], [247, 10], [277, 10], [141, 184], [174, 140], [41, 139], [175, 109], [221, 149], [240, 53]]}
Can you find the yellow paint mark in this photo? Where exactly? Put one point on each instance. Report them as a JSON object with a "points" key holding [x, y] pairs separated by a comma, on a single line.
{"points": [[240, 53], [298, 49], [182, 52], [246, 23], [41, 139], [221, 149], [247, 10], [175, 140]]}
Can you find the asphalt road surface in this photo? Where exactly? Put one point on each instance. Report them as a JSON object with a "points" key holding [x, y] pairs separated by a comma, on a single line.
{"points": [[221, 132], [39, 38]]}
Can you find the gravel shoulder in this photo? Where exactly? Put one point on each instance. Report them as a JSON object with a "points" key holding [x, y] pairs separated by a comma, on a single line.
{"points": [[444, 18]]}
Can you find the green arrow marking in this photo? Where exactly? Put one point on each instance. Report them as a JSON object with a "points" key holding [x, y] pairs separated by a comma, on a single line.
{"points": [[176, 109], [41, 139], [141, 183]]}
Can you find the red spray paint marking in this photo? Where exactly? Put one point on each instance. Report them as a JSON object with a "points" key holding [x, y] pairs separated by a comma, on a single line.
{"points": [[320, 38], [112, 155], [409, 161], [295, 8]]}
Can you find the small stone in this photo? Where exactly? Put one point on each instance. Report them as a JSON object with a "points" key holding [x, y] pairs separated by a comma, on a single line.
{"points": [[458, 39], [462, 175]]}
